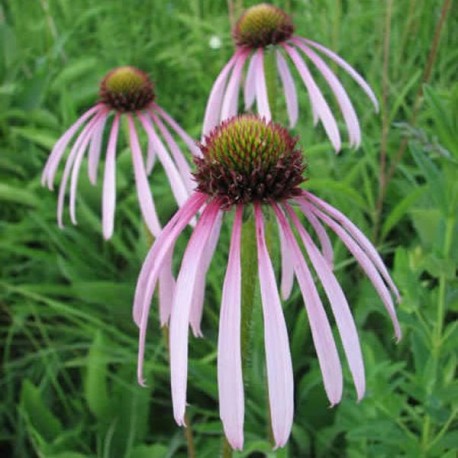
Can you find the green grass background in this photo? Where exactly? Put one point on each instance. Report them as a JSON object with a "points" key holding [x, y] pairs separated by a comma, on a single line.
{"points": [[68, 386]]}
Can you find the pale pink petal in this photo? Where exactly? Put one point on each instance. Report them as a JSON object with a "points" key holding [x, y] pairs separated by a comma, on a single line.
{"points": [[325, 242], [109, 182], [346, 107], [249, 91], [230, 101], [325, 347], [316, 98], [339, 306], [360, 238], [213, 109], [262, 98], [145, 198], [364, 261], [153, 265], [94, 151], [181, 309], [348, 68], [199, 288], [278, 357], [150, 157], [190, 142], [287, 268], [176, 181], [166, 288], [178, 157], [52, 163], [289, 88], [230, 380]]}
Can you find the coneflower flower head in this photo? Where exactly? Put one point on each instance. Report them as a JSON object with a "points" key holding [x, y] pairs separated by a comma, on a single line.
{"points": [[236, 157], [124, 92], [266, 28]]}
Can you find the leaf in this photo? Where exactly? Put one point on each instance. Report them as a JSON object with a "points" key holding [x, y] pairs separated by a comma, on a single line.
{"points": [[149, 451], [22, 196], [74, 71], [36, 136]]}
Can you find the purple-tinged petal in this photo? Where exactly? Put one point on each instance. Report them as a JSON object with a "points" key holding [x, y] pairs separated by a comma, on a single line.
{"points": [[262, 98], [166, 288], [230, 380], [145, 198], [230, 101], [150, 157], [346, 107], [213, 109], [249, 91], [178, 157], [109, 182], [52, 163], [94, 151], [278, 357], [179, 320], [339, 306], [325, 242], [360, 238], [325, 347], [176, 180], [289, 88], [316, 98], [348, 68], [199, 289], [152, 267], [287, 268]]}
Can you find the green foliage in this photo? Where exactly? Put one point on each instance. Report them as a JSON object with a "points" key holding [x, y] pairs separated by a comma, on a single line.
{"points": [[69, 347]]}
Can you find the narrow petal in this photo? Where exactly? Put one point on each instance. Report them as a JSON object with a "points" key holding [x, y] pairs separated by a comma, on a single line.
{"points": [[339, 306], [94, 151], [52, 163], [278, 357], [213, 109], [325, 242], [178, 157], [176, 180], [230, 101], [179, 320], [325, 347], [345, 105], [262, 98], [166, 288], [360, 238], [348, 68], [289, 88], [145, 198], [150, 157], [316, 98], [230, 380], [364, 261], [109, 182], [287, 268], [249, 91], [199, 288]]}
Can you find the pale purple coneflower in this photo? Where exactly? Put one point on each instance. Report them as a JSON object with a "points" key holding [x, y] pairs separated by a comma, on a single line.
{"points": [[251, 166], [266, 27], [124, 91]]}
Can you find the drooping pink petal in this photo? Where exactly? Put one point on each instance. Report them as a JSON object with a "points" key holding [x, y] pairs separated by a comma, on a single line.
{"points": [[316, 98], [166, 288], [348, 68], [262, 98], [325, 242], [150, 157], [230, 381], [213, 109], [278, 357], [190, 142], [109, 182], [94, 151], [52, 163], [199, 288], [230, 101], [328, 357], [363, 260], [145, 198], [80, 143], [339, 306], [178, 157], [152, 267], [249, 92], [176, 180], [346, 107], [289, 88], [360, 238], [287, 268], [179, 319]]}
